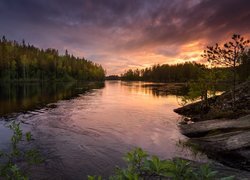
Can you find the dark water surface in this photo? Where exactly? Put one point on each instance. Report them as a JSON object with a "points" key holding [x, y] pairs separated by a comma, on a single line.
{"points": [[87, 128]]}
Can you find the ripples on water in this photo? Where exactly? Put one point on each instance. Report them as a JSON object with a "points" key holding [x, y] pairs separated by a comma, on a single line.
{"points": [[90, 133]]}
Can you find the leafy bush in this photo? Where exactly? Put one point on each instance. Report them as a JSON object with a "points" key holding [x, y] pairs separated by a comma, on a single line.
{"points": [[9, 168], [142, 166]]}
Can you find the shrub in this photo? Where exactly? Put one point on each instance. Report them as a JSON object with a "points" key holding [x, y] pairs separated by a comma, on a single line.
{"points": [[9, 168], [142, 166]]}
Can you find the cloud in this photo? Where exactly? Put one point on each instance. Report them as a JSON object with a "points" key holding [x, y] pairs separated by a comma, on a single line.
{"points": [[126, 33]]}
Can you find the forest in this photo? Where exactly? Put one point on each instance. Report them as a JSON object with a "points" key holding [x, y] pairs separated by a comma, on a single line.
{"points": [[187, 71], [24, 62]]}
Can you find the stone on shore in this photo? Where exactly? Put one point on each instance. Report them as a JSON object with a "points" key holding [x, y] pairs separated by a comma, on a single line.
{"points": [[222, 133], [202, 128]]}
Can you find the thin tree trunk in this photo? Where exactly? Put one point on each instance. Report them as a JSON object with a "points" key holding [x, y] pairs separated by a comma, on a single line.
{"points": [[234, 78]]}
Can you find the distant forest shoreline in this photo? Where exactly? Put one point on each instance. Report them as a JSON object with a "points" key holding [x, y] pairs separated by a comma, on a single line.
{"points": [[21, 62], [182, 73]]}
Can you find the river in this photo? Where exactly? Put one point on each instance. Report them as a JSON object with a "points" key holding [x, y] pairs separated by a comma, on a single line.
{"points": [[85, 129]]}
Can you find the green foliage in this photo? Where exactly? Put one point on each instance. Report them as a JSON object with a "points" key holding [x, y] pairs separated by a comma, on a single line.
{"points": [[205, 86], [135, 159], [22, 62], [157, 166], [206, 173], [142, 166], [131, 75], [94, 178], [113, 77], [180, 169], [165, 73], [9, 168], [28, 136], [230, 55]]}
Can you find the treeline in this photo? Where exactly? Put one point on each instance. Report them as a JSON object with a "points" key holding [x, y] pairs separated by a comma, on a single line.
{"points": [[185, 72], [24, 62], [165, 73], [113, 77]]}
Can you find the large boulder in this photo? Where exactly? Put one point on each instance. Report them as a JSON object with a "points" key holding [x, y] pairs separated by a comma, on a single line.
{"points": [[220, 106]]}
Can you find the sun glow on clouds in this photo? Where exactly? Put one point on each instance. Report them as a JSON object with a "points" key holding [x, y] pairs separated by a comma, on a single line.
{"points": [[126, 34], [148, 57]]}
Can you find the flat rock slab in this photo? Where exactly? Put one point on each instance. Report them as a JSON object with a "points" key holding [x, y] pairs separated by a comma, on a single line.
{"points": [[202, 128], [232, 149], [226, 141]]}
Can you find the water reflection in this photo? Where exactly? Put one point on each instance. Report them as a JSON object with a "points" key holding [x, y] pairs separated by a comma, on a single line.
{"points": [[19, 97], [90, 133], [157, 89]]}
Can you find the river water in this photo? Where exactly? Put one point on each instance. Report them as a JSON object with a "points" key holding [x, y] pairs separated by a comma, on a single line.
{"points": [[86, 129]]}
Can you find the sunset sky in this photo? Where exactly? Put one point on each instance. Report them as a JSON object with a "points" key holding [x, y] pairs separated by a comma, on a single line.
{"points": [[122, 34]]}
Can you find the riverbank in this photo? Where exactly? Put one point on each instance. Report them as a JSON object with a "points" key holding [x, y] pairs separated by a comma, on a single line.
{"points": [[220, 132]]}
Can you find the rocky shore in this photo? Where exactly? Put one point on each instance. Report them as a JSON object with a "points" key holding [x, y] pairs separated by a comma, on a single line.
{"points": [[220, 132]]}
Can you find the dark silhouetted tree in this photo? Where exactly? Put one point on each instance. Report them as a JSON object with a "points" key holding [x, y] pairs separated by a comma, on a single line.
{"points": [[229, 55]]}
